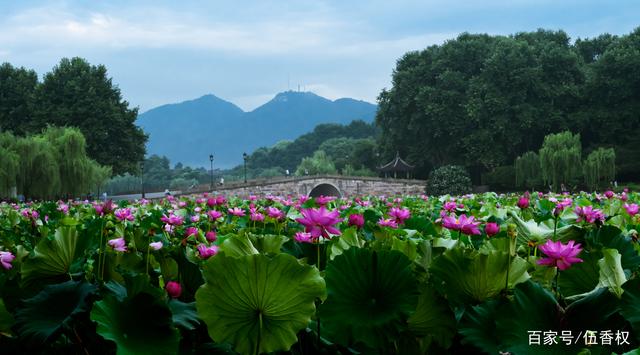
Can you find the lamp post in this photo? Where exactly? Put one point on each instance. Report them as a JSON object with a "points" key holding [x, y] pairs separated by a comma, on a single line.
{"points": [[211, 174], [244, 157], [142, 177]]}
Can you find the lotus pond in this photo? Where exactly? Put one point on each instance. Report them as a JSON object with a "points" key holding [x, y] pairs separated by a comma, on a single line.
{"points": [[523, 274]]}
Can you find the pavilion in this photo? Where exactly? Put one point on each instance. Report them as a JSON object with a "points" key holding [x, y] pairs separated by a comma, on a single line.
{"points": [[397, 167]]}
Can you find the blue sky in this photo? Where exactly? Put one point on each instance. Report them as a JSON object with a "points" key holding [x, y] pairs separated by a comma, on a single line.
{"points": [[247, 51]]}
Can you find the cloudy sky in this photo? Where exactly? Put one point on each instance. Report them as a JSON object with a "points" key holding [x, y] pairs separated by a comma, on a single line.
{"points": [[247, 51]]}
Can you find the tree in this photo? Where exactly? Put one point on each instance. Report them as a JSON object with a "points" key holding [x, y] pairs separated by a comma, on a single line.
{"points": [[319, 163], [527, 169], [9, 164], [17, 98], [81, 95], [600, 167], [560, 159], [38, 172]]}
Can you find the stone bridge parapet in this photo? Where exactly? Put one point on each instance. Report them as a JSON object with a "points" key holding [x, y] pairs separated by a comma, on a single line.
{"points": [[328, 185]]}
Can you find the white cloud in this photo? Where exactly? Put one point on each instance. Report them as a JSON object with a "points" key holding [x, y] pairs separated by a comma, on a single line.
{"points": [[57, 27]]}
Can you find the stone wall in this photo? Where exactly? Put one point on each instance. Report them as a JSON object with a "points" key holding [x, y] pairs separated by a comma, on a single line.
{"points": [[347, 186]]}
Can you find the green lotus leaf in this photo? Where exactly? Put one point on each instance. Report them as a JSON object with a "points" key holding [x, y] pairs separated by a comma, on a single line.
{"points": [[6, 319], [258, 302], [348, 239], [141, 323], [630, 305], [473, 277], [53, 256], [370, 296], [611, 273], [240, 245], [539, 232], [42, 317], [184, 314], [478, 327], [532, 309], [433, 318], [613, 238], [580, 278]]}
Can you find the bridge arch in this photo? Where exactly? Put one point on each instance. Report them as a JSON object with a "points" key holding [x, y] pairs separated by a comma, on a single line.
{"points": [[325, 189]]}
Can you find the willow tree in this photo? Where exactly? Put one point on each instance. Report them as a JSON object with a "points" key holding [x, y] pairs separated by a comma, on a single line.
{"points": [[527, 168], [560, 159], [9, 163], [319, 163], [74, 166], [599, 167], [99, 174], [38, 174]]}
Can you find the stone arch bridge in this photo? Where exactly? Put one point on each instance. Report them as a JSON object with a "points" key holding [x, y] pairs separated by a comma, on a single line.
{"points": [[328, 185]]}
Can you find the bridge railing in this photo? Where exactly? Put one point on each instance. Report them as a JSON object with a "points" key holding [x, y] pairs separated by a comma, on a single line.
{"points": [[284, 179]]}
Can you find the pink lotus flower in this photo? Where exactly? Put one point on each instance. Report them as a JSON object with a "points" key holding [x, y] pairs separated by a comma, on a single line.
{"points": [[155, 245], [213, 214], [63, 207], [174, 290], [492, 229], [323, 200], [195, 218], [275, 213], [356, 220], [391, 223], [609, 194], [256, 217], [211, 236], [99, 209], [560, 255], [560, 206], [118, 244], [450, 206], [523, 202], [191, 231], [589, 214], [173, 220], [6, 258], [236, 211], [123, 214], [400, 214], [206, 252], [303, 237], [632, 209], [464, 224], [320, 222]]}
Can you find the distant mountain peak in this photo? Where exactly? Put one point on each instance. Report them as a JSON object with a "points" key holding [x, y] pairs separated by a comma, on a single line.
{"points": [[217, 126]]}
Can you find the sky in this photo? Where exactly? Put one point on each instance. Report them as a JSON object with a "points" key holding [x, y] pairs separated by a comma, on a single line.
{"points": [[161, 52]]}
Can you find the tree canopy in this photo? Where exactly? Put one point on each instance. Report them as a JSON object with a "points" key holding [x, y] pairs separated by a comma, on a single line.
{"points": [[74, 94], [481, 101]]}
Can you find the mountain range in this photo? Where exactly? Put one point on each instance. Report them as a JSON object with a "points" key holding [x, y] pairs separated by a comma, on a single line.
{"points": [[189, 131]]}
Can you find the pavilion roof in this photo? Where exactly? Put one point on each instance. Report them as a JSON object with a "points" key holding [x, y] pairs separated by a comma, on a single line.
{"points": [[397, 164]]}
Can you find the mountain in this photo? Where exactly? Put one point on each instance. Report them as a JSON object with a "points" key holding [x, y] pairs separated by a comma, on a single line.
{"points": [[189, 131]]}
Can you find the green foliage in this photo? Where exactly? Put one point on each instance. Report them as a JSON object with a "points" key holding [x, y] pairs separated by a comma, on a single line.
{"points": [[370, 295], [137, 319], [599, 168], [449, 179], [527, 167], [51, 311], [74, 94], [356, 136], [501, 178], [561, 159], [482, 100], [318, 164], [258, 303], [51, 164], [18, 100]]}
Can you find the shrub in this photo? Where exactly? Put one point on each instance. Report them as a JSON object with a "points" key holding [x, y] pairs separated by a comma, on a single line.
{"points": [[501, 178], [449, 179]]}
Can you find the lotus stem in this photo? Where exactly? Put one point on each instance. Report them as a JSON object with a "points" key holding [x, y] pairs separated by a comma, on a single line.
{"points": [[259, 332]]}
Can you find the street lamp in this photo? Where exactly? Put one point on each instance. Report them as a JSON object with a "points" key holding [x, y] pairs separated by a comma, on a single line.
{"points": [[142, 177], [211, 160], [244, 157]]}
